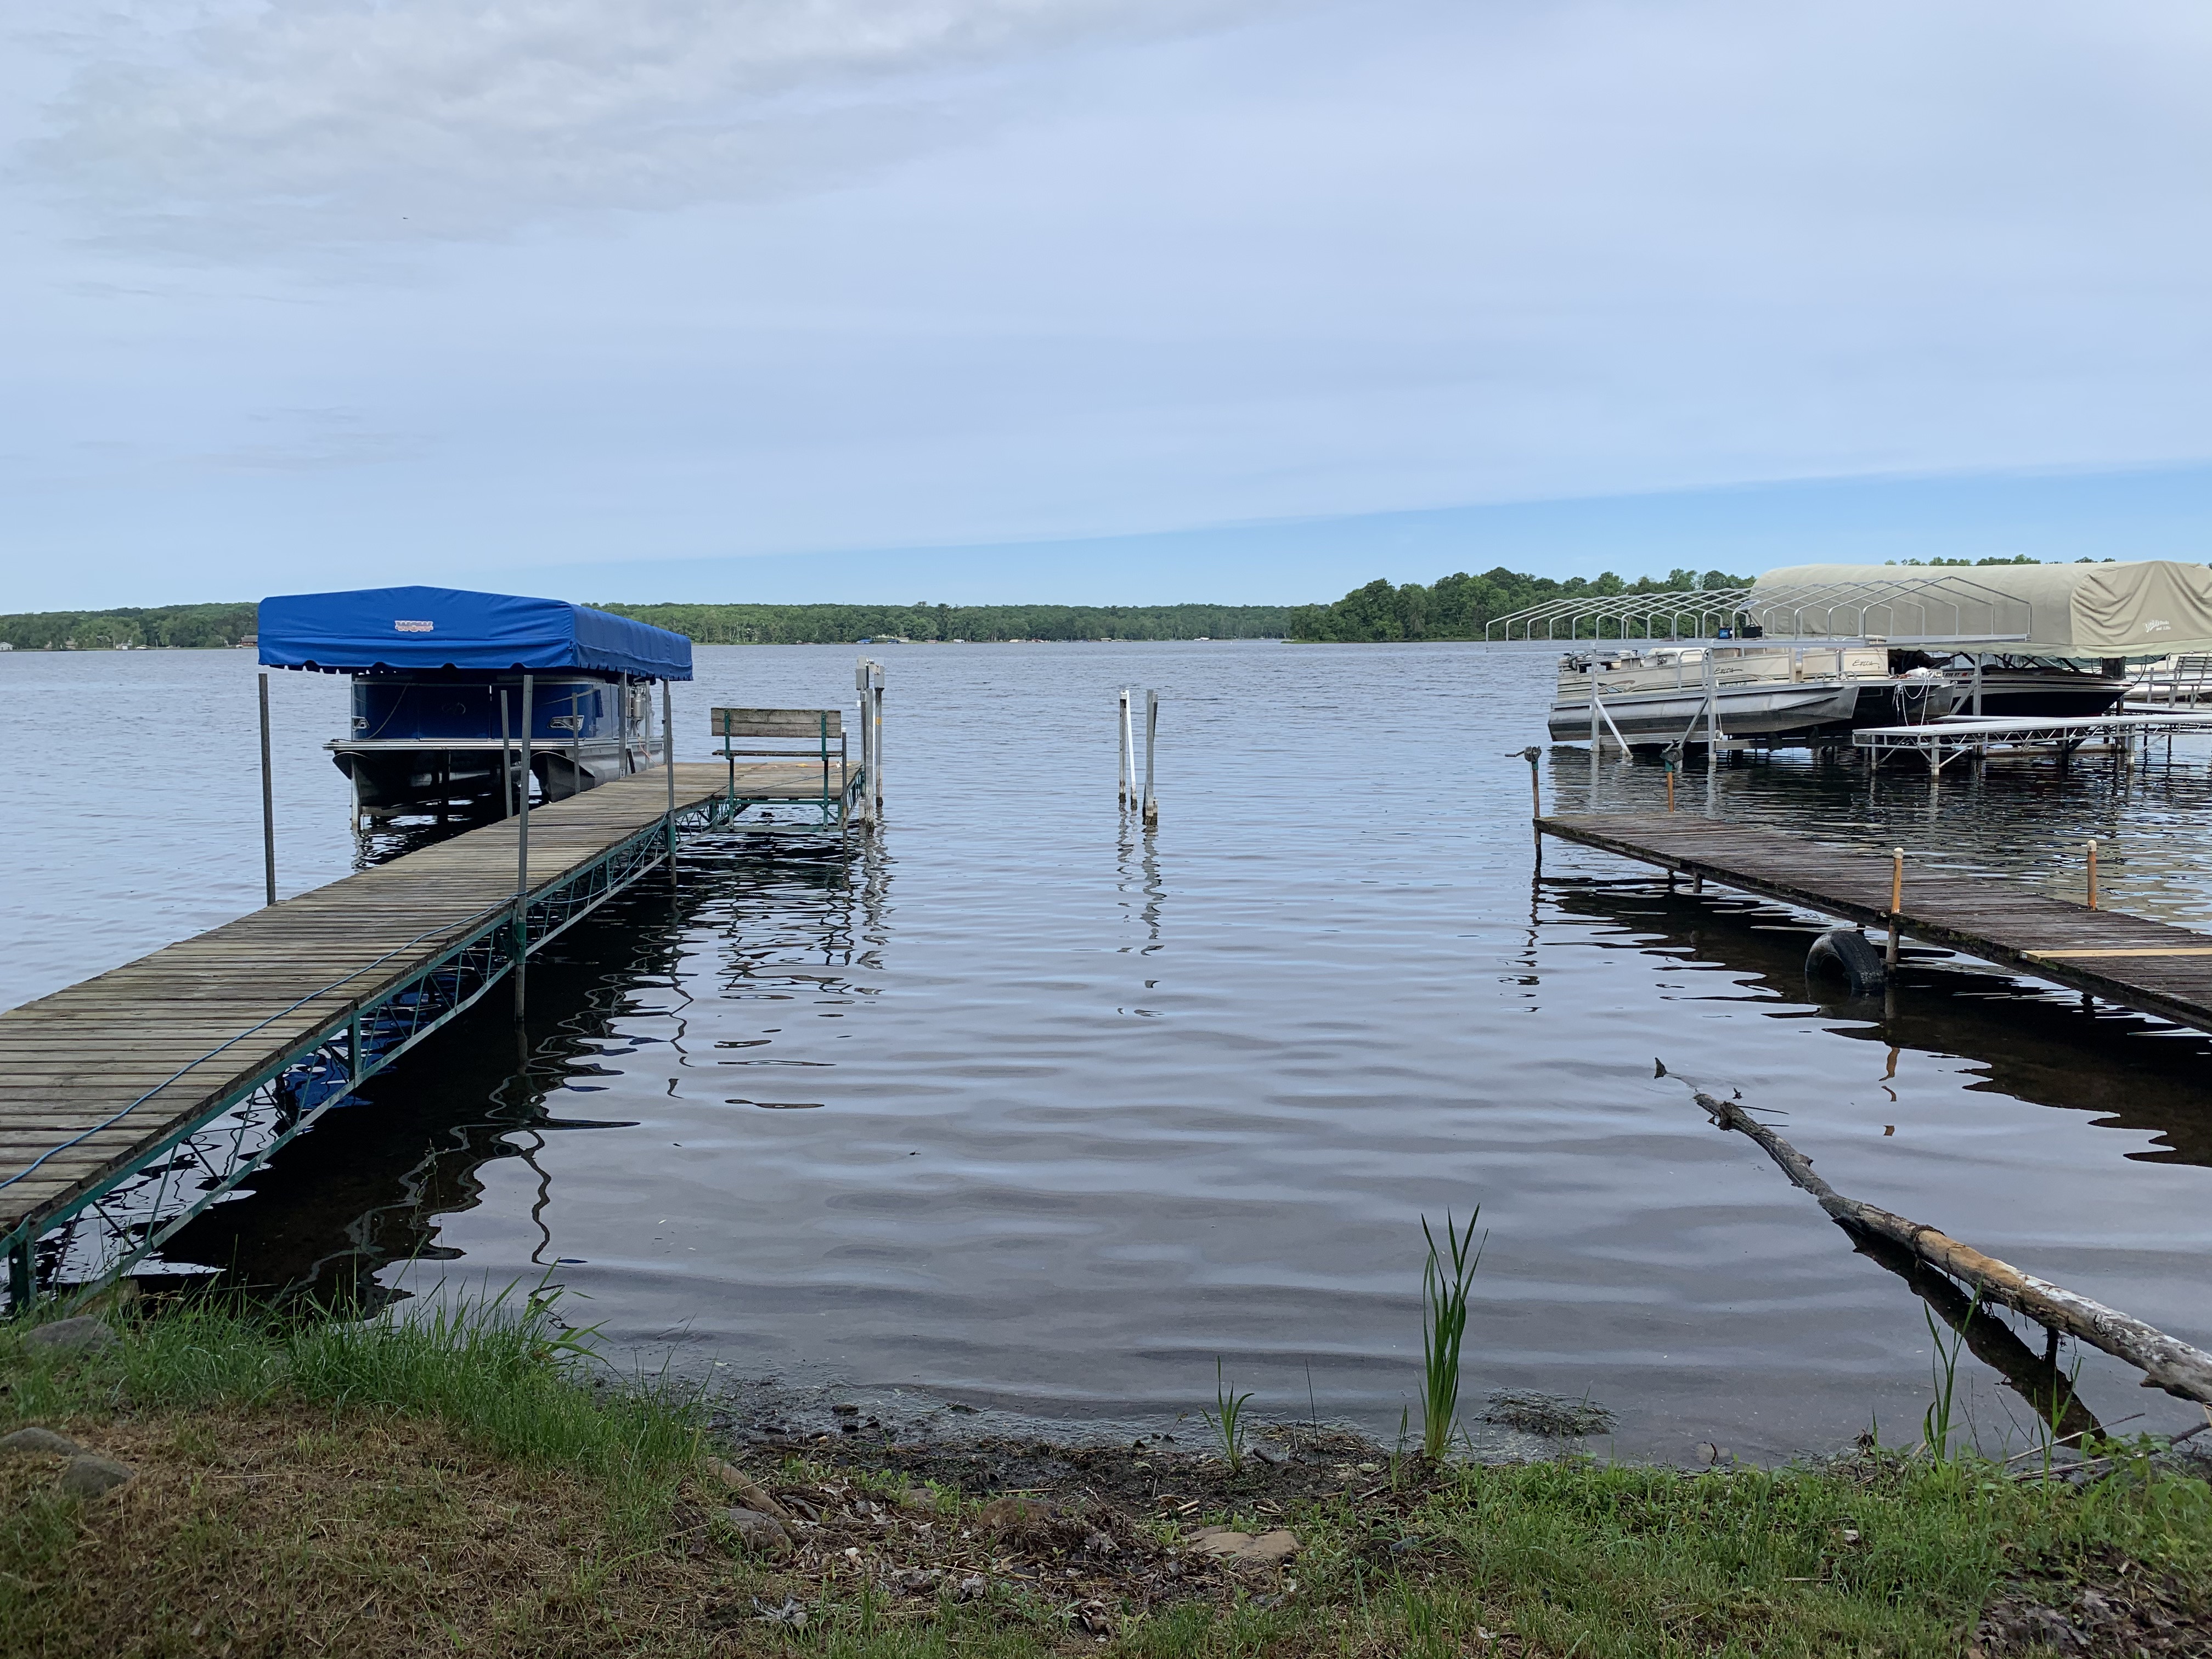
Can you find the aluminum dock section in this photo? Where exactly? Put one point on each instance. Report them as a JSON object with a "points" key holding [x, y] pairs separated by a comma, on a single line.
{"points": [[129, 1102], [2159, 969]]}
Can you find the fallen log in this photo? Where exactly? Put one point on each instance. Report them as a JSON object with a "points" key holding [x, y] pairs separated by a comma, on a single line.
{"points": [[2166, 1362]]}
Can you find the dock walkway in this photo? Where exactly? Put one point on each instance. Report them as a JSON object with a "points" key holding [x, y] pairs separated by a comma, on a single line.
{"points": [[137, 1098], [2148, 965]]}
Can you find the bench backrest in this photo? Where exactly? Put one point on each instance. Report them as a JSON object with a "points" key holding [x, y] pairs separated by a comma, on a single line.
{"points": [[811, 724]]}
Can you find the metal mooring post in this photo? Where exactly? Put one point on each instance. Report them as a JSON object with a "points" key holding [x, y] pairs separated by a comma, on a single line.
{"points": [[1122, 731], [1152, 742], [876, 727], [865, 804], [520, 947], [506, 760], [668, 731], [268, 803]]}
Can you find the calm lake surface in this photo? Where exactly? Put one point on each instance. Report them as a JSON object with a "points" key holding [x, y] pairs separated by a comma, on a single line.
{"points": [[1024, 1106]]}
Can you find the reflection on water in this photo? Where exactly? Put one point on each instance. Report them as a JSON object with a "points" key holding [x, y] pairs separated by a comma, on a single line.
{"points": [[1019, 1100], [2028, 1042]]}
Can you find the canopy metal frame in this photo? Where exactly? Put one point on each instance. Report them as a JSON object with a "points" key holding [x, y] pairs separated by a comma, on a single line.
{"points": [[1946, 610]]}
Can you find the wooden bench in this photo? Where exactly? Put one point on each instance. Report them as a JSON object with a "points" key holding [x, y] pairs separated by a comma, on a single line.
{"points": [[800, 734]]}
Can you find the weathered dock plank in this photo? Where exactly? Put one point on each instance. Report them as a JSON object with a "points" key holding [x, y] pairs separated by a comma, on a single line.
{"points": [[96, 1078], [2133, 961]]}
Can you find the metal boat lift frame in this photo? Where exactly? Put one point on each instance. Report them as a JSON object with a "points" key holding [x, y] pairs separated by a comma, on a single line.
{"points": [[1940, 742]]}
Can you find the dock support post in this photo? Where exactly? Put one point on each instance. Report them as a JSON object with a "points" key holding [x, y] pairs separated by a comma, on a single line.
{"points": [[268, 803], [1597, 737], [505, 761], [23, 1276], [1122, 767], [668, 726], [867, 801], [1151, 738], [521, 945], [876, 730], [2092, 872], [1896, 904], [1129, 746]]}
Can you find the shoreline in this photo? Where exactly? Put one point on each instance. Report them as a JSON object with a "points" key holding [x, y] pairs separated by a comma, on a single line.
{"points": [[481, 1479]]}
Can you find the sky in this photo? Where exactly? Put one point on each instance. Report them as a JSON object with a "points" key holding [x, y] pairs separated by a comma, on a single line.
{"points": [[1093, 301]]}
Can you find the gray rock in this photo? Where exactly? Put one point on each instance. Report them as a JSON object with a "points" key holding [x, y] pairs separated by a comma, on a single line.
{"points": [[1227, 1544], [38, 1440], [749, 1493], [88, 1476], [760, 1532], [85, 1335]]}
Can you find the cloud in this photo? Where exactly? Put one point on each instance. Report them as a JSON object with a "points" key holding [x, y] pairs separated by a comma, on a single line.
{"points": [[245, 126]]}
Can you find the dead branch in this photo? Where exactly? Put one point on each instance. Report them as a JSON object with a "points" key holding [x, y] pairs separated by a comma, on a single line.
{"points": [[2166, 1362]]}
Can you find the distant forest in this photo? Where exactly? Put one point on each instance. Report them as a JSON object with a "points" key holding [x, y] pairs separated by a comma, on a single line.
{"points": [[833, 625], [1456, 607], [103, 630]]}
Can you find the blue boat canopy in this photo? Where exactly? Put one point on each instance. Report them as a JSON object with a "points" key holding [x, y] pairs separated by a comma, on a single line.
{"points": [[374, 628]]}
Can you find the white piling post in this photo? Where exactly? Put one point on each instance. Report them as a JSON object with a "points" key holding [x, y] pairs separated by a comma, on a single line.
{"points": [[268, 804], [1151, 738], [668, 727], [1129, 745], [1122, 767], [505, 761], [865, 804], [522, 852], [876, 726]]}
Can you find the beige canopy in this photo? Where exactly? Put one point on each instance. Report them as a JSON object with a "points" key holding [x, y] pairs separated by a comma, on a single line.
{"points": [[2143, 608]]}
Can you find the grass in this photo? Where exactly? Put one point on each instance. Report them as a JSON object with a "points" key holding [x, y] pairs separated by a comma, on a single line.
{"points": [[447, 1484], [1227, 1420], [1443, 1327]]}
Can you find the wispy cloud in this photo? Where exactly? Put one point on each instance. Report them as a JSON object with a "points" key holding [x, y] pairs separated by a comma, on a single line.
{"points": [[247, 125]]}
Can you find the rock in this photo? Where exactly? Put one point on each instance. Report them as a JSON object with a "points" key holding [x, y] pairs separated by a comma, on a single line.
{"points": [[747, 1492], [763, 1533], [38, 1440], [1269, 1454], [1243, 1549], [88, 1476], [85, 1335], [920, 1499], [1560, 1415], [843, 1410]]}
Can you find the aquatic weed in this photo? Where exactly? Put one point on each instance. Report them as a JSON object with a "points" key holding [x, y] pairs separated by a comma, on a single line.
{"points": [[1228, 1422], [1443, 1326]]}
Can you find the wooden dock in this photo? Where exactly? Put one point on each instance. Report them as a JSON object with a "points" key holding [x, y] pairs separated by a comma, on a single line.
{"points": [[2148, 965], [137, 1098]]}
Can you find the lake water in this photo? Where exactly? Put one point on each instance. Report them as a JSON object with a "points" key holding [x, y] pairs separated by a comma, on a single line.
{"points": [[1022, 1105]]}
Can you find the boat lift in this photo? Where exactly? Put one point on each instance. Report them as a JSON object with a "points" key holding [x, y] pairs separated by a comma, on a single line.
{"points": [[1940, 742]]}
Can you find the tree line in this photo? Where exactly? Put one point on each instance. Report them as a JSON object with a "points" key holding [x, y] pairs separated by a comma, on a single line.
{"points": [[836, 624], [1455, 607], [103, 630], [1459, 606]]}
